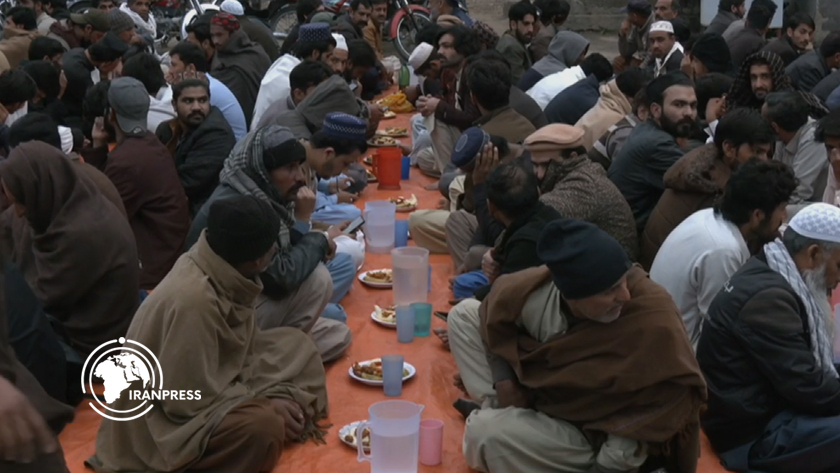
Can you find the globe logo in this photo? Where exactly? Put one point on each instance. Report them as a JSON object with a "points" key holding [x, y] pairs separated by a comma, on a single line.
{"points": [[123, 364]]}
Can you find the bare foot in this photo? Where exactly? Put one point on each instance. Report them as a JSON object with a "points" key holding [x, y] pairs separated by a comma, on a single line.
{"points": [[459, 383], [443, 335]]}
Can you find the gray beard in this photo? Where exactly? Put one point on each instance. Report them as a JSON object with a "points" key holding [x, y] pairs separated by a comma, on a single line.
{"points": [[815, 280]]}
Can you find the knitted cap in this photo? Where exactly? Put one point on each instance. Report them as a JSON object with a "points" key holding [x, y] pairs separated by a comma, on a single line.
{"points": [[241, 228]]}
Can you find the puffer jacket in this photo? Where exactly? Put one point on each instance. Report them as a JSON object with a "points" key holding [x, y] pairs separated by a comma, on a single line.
{"points": [[693, 183]]}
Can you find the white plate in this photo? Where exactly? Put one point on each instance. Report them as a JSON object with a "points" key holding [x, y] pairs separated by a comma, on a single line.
{"points": [[378, 285], [350, 429], [406, 365], [382, 322]]}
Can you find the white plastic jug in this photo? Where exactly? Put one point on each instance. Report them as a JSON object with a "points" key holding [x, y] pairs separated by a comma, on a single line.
{"points": [[410, 266], [394, 437], [380, 219]]}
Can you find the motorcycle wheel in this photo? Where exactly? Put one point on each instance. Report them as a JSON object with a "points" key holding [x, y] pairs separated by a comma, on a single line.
{"points": [[282, 22], [80, 7], [404, 42]]}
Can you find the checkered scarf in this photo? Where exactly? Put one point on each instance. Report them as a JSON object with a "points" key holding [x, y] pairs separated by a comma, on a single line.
{"points": [[780, 261], [245, 171]]}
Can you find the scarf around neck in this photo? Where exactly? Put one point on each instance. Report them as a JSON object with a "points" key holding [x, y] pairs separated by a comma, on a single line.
{"points": [[780, 261], [148, 26], [245, 171]]}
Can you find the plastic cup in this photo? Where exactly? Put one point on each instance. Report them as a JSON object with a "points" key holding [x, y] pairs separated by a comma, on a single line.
{"points": [[431, 442], [400, 233], [422, 319], [392, 374], [406, 168], [405, 324]]}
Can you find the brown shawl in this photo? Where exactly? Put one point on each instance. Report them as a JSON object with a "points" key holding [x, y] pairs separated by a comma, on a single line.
{"points": [[636, 378], [77, 251]]}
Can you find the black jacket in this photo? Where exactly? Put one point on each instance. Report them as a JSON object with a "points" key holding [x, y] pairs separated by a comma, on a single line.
{"points": [[77, 69], [571, 104], [783, 48], [743, 44], [807, 71], [199, 155], [344, 25], [755, 352], [290, 266], [518, 248], [826, 86]]}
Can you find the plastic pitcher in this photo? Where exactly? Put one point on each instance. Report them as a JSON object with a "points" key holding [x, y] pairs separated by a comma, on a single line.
{"points": [[380, 220], [394, 437], [410, 266], [388, 168]]}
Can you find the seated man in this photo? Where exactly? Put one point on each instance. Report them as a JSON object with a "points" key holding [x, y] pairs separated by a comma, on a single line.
{"points": [[298, 287], [513, 199], [302, 81], [666, 53], [812, 67], [578, 188], [697, 179], [549, 87], [610, 143], [259, 388], [703, 251], [540, 354], [774, 394], [76, 252], [144, 173], [615, 101], [787, 112], [200, 140], [797, 37]]}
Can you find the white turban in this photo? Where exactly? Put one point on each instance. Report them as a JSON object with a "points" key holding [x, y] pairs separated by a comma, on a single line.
{"points": [[340, 42]]}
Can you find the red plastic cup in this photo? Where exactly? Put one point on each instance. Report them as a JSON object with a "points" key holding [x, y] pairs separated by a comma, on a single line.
{"points": [[387, 165], [431, 442]]}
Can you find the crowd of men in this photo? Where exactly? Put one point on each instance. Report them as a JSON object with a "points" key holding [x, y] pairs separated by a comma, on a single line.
{"points": [[644, 246]]}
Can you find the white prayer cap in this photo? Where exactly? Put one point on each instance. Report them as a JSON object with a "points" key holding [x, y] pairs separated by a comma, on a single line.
{"points": [[665, 26], [818, 221], [420, 55], [66, 139], [233, 7], [340, 42]]}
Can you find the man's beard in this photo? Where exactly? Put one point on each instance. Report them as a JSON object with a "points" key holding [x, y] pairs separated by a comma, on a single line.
{"points": [[524, 39], [765, 234], [760, 94], [195, 119], [680, 129], [815, 280]]}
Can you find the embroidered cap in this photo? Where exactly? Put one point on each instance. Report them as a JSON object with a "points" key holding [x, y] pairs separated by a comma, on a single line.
{"points": [[344, 126], [314, 33], [420, 55], [818, 221], [226, 21], [468, 146], [233, 7], [550, 139], [665, 26]]}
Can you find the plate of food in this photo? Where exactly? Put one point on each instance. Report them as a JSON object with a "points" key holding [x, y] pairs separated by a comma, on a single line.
{"points": [[378, 278], [371, 177], [385, 316], [368, 160], [370, 372], [347, 435], [380, 141], [405, 204], [393, 131], [389, 114]]}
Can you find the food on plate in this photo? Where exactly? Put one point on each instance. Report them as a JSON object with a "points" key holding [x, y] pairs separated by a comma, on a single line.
{"points": [[392, 131], [405, 202], [380, 276], [372, 370], [389, 114], [388, 314], [396, 103], [351, 437], [383, 141]]}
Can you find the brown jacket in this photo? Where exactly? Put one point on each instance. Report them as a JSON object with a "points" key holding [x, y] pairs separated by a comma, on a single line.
{"points": [[693, 183], [15, 46], [373, 35]]}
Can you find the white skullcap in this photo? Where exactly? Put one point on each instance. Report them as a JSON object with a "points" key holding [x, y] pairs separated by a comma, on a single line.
{"points": [[665, 26], [420, 55], [340, 42], [233, 7], [818, 221], [66, 139]]}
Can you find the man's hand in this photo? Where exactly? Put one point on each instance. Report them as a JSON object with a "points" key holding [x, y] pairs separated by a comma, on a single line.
{"points": [[304, 204], [489, 266], [23, 433], [340, 184], [625, 27], [336, 231], [487, 161], [427, 105], [98, 133], [511, 394], [62, 82], [292, 415], [377, 113], [345, 197]]}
